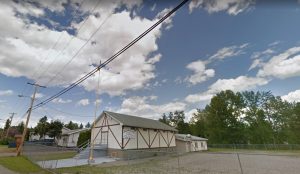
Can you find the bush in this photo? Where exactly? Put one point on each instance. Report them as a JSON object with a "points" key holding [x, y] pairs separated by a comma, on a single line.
{"points": [[84, 137], [5, 141]]}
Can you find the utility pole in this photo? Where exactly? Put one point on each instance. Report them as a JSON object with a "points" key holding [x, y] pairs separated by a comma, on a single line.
{"points": [[11, 118], [92, 146], [28, 116]]}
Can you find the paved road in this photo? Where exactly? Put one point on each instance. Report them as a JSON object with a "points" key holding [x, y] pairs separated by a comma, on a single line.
{"points": [[214, 163]]}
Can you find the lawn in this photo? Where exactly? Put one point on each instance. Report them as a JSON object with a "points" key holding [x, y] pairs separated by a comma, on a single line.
{"points": [[52, 156], [123, 168], [5, 149], [275, 152], [21, 165]]}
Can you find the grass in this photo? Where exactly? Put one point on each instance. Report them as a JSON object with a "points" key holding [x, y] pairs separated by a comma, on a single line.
{"points": [[5, 149], [284, 152], [124, 168], [21, 165], [53, 156]]}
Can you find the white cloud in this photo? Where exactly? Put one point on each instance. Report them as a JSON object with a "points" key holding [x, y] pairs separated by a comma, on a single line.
{"points": [[194, 98], [83, 102], [293, 96], [256, 63], [190, 114], [153, 7], [6, 92], [237, 84], [141, 106], [240, 83], [266, 52], [284, 65], [38, 95], [232, 7], [201, 74], [259, 57], [62, 101], [230, 51], [98, 102], [23, 42]]}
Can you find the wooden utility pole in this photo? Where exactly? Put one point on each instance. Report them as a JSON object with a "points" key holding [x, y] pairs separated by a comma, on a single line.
{"points": [[92, 143], [11, 118], [28, 116]]}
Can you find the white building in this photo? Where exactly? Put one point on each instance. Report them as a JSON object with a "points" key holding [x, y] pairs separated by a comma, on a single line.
{"points": [[37, 137], [190, 143], [69, 137], [124, 132]]}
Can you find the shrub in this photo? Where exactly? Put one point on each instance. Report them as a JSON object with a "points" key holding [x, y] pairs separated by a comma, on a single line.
{"points": [[83, 137]]}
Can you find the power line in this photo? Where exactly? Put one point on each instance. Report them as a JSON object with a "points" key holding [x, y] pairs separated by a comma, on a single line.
{"points": [[68, 43], [111, 58], [68, 113], [99, 27], [47, 56]]}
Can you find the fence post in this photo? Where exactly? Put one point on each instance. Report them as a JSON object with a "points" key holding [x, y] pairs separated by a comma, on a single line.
{"points": [[178, 162]]}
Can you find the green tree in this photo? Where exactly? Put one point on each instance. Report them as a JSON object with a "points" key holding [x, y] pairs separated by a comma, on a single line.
{"points": [[20, 127], [7, 124], [55, 128], [198, 123], [72, 125], [164, 119], [294, 124], [42, 127], [88, 125], [176, 119], [224, 118], [84, 137], [80, 126]]}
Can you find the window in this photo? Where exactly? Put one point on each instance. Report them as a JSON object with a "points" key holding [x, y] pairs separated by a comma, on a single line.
{"points": [[196, 144]]}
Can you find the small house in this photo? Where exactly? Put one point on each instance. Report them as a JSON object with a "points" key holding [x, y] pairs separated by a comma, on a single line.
{"points": [[69, 137], [37, 137], [190, 143]]}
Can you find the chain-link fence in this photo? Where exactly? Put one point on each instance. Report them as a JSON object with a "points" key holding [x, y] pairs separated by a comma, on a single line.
{"points": [[231, 159], [267, 147], [47, 154]]}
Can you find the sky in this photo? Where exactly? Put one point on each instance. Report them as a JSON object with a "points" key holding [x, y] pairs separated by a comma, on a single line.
{"points": [[204, 48]]}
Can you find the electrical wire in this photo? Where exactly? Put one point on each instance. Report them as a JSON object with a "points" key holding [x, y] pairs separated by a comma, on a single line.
{"points": [[69, 42], [111, 58], [46, 57], [73, 57]]}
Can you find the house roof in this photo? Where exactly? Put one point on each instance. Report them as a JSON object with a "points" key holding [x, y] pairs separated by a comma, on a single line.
{"points": [[134, 121], [69, 132], [188, 137]]}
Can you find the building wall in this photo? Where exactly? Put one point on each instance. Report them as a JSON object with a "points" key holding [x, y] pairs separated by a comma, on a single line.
{"points": [[108, 131], [182, 146], [119, 137], [190, 146], [148, 138], [72, 139]]}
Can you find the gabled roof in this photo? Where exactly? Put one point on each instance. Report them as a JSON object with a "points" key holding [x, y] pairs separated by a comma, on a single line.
{"points": [[140, 122], [188, 137], [69, 132]]}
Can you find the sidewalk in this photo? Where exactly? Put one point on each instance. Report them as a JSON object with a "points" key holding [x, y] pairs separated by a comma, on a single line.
{"points": [[52, 164], [6, 171]]}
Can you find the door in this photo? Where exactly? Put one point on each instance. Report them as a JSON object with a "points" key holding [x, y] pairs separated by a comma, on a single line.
{"points": [[104, 137]]}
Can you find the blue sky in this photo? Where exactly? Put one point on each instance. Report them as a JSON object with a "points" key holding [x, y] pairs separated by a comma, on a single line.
{"points": [[204, 48]]}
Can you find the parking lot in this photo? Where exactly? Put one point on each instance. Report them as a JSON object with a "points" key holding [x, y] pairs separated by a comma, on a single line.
{"points": [[205, 162]]}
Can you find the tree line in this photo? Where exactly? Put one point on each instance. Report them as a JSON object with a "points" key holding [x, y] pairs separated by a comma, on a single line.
{"points": [[44, 127], [242, 118]]}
